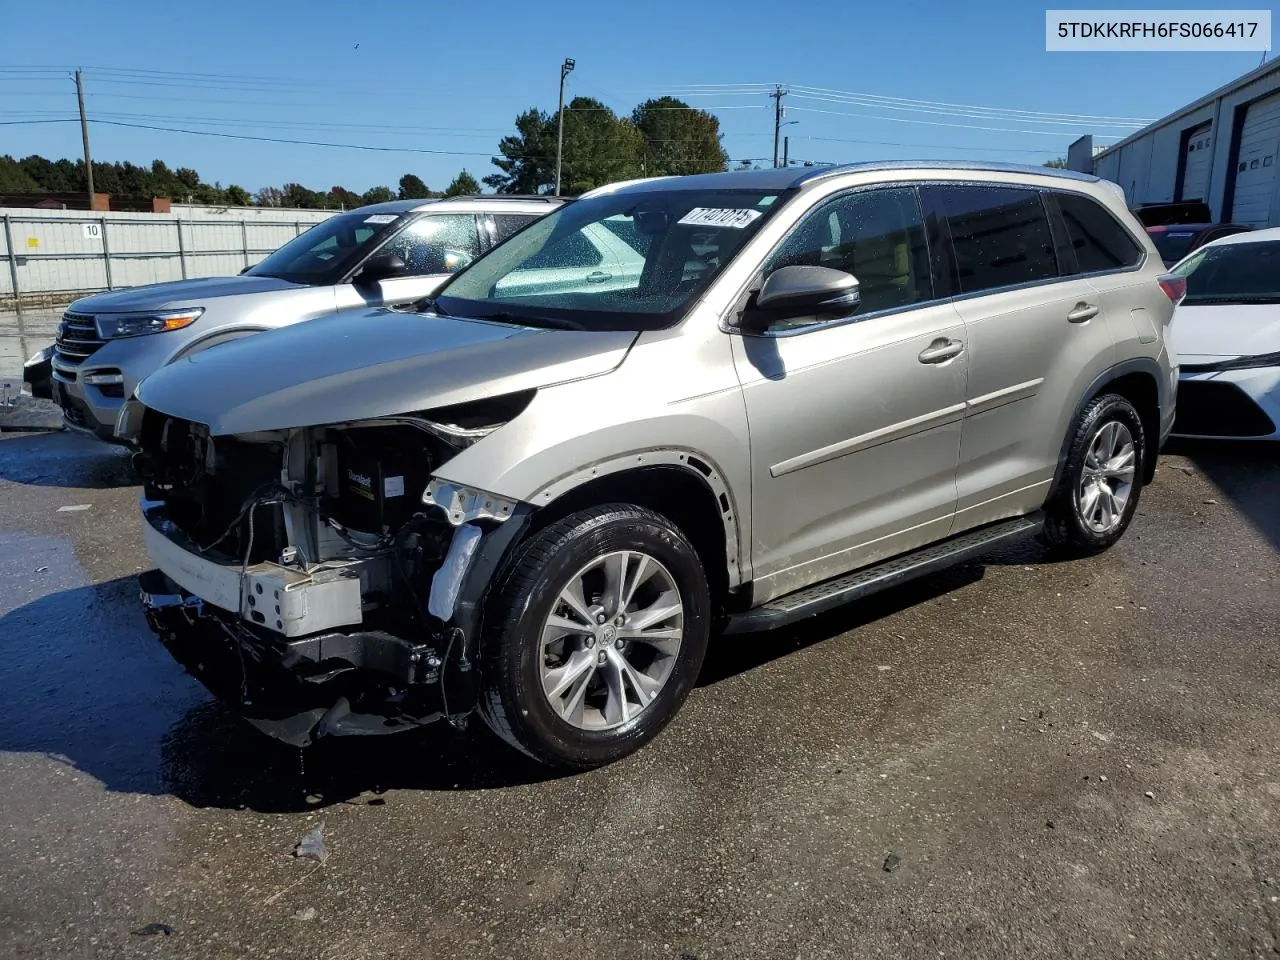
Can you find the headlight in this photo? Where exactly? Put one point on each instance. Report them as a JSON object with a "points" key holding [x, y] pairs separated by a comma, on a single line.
{"points": [[113, 326]]}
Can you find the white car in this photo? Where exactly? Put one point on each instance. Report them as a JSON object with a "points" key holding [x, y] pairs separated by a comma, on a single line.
{"points": [[1227, 335]]}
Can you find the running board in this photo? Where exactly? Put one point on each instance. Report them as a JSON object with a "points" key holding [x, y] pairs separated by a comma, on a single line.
{"points": [[821, 597]]}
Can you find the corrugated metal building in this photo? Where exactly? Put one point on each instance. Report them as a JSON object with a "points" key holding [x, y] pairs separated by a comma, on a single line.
{"points": [[1223, 149]]}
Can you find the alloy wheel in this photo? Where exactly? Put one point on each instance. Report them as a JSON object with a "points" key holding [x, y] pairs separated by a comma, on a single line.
{"points": [[611, 640], [1106, 482]]}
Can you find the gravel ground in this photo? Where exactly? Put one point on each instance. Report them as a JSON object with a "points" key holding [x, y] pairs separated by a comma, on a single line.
{"points": [[1018, 758]]}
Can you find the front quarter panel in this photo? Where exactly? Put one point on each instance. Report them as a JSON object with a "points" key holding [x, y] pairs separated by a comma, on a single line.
{"points": [[675, 396]]}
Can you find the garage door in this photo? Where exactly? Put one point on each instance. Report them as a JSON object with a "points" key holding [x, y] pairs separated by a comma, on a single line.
{"points": [[1195, 174], [1258, 164]]}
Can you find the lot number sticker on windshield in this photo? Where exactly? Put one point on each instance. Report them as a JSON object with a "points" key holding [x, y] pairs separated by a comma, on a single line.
{"points": [[380, 218], [713, 217]]}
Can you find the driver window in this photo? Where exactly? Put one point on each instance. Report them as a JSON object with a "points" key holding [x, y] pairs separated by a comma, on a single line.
{"points": [[876, 235], [443, 243]]}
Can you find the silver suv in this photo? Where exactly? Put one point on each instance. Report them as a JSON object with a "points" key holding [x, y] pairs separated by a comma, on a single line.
{"points": [[383, 254], [539, 497]]}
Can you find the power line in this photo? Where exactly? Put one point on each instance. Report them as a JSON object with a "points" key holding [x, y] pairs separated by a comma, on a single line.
{"points": [[348, 146], [936, 123], [963, 106], [928, 146], [871, 99], [961, 113]]}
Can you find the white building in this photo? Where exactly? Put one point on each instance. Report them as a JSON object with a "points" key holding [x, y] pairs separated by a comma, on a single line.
{"points": [[1223, 149]]}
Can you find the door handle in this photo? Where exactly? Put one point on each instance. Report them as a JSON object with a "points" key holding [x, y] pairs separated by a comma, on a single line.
{"points": [[1083, 312], [599, 277], [941, 350]]}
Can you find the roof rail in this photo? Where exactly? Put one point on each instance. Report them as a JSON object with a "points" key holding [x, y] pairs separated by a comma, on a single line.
{"points": [[544, 197], [821, 173]]}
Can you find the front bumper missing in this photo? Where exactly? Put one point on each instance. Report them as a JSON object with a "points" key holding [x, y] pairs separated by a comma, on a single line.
{"points": [[297, 690], [338, 680], [286, 600]]}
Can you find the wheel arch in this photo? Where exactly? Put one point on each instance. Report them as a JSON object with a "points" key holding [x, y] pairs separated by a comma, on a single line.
{"points": [[1138, 381], [684, 486]]}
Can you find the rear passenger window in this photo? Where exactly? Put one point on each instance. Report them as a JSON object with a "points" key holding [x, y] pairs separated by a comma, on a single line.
{"points": [[1000, 235], [1099, 241], [505, 224]]}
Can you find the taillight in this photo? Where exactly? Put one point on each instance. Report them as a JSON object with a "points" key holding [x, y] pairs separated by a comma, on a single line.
{"points": [[1174, 287]]}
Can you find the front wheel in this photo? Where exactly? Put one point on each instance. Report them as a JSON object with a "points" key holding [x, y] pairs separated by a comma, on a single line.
{"points": [[599, 633], [1097, 493]]}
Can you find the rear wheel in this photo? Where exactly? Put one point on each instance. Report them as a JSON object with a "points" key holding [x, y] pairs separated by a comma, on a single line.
{"points": [[1097, 494], [601, 629]]}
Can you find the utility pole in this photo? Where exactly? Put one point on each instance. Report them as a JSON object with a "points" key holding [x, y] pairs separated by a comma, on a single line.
{"points": [[566, 68], [786, 151], [84, 134], [778, 94]]}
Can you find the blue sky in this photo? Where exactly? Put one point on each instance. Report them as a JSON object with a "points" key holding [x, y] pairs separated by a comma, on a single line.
{"points": [[451, 77]]}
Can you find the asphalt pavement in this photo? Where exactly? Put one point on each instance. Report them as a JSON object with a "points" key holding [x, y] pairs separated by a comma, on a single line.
{"points": [[24, 332], [1017, 758]]}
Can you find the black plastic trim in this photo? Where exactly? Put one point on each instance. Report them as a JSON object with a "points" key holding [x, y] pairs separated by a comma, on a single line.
{"points": [[492, 554], [1136, 365], [847, 587]]}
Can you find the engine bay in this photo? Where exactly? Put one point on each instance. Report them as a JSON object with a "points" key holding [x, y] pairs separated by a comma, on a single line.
{"points": [[321, 566]]}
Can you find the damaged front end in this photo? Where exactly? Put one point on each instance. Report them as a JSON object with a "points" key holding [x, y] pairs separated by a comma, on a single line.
{"points": [[321, 580]]}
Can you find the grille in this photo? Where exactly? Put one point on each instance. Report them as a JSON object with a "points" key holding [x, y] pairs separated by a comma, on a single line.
{"points": [[1211, 408], [77, 338]]}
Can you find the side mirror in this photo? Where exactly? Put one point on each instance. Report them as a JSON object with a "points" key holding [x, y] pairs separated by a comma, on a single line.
{"points": [[803, 291], [382, 266]]}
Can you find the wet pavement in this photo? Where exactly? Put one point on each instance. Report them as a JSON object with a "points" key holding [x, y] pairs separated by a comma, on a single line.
{"points": [[23, 333], [1015, 758]]}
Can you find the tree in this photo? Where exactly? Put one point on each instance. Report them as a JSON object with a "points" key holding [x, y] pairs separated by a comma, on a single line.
{"points": [[463, 184], [269, 197], [296, 195], [14, 179], [1058, 164], [412, 188], [678, 139], [237, 196], [599, 148], [528, 158], [344, 198], [378, 195]]}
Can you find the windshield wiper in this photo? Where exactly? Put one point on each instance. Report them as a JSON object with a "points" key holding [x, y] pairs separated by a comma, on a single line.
{"points": [[549, 323], [425, 304]]}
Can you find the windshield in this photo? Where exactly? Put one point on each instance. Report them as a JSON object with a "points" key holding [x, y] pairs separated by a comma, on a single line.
{"points": [[1173, 244], [328, 250], [1233, 273], [621, 261]]}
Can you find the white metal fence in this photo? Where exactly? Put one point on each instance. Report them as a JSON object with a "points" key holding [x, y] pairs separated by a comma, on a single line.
{"points": [[47, 255]]}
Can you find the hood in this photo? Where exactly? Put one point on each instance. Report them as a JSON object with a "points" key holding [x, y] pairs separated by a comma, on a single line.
{"points": [[179, 293], [1226, 330], [364, 364]]}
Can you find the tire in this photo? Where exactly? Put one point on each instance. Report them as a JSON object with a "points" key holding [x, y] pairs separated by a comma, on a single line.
{"points": [[1095, 499], [603, 711]]}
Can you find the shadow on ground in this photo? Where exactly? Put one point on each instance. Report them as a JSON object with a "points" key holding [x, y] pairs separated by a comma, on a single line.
{"points": [[1247, 473], [67, 460], [87, 682]]}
